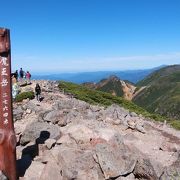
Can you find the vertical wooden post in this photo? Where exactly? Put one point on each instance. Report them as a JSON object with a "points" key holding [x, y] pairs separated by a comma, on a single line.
{"points": [[7, 135]]}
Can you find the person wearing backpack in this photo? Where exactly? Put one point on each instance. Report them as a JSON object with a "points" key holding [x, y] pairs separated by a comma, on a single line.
{"points": [[38, 92]]}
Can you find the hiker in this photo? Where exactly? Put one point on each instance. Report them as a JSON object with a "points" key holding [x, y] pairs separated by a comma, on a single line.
{"points": [[28, 77], [16, 75], [38, 92], [21, 73]]}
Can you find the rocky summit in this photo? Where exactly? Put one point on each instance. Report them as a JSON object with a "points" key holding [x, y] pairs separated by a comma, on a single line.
{"points": [[64, 138]]}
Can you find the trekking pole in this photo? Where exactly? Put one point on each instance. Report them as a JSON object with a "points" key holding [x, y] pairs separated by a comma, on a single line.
{"points": [[7, 135]]}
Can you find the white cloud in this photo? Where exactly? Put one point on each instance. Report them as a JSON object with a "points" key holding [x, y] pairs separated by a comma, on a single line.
{"points": [[94, 63]]}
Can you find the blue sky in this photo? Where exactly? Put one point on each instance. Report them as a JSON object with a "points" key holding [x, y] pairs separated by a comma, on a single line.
{"points": [[92, 35]]}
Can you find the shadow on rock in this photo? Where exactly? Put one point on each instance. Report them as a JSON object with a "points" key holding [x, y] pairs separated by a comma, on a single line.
{"points": [[30, 152]]}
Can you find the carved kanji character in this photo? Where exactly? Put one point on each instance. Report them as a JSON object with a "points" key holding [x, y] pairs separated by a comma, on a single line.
{"points": [[3, 61], [4, 82]]}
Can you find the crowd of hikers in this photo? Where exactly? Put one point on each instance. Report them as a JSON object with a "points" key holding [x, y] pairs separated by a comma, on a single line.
{"points": [[20, 77]]}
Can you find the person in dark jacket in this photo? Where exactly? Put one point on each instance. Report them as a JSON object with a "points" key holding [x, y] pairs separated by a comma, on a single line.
{"points": [[16, 75], [21, 73], [38, 92]]}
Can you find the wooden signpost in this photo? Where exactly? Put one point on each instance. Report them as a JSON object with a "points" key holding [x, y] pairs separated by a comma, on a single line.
{"points": [[7, 135]]}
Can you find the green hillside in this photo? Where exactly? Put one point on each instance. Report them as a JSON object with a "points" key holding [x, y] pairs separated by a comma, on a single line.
{"points": [[166, 72], [162, 94], [110, 85], [106, 99]]}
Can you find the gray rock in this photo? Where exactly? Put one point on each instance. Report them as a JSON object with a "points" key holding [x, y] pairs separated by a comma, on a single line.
{"points": [[34, 171], [50, 142], [33, 107], [133, 114], [22, 83], [18, 113], [63, 104], [114, 111], [40, 131], [2, 176], [115, 160], [145, 170], [70, 104], [130, 137], [80, 133], [77, 164], [51, 171], [62, 122], [96, 108], [140, 128], [170, 147], [28, 111], [53, 116], [90, 115], [115, 114], [172, 172], [73, 115]]}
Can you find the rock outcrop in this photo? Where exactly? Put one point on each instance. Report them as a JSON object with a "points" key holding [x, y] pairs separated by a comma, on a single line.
{"points": [[66, 138]]}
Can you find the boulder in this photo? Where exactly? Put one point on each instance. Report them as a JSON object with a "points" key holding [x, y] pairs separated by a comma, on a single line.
{"points": [[73, 115], [116, 112], [66, 139], [78, 164], [145, 170], [114, 160], [81, 133], [18, 113], [173, 171], [39, 131], [54, 117], [22, 83], [51, 171], [34, 171], [33, 107], [133, 114], [170, 147], [70, 104], [109, 134]]}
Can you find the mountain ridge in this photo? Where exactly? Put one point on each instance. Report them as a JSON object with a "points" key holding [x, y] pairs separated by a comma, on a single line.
{"points": [[114, 86], [162, 92], [82, 77]]}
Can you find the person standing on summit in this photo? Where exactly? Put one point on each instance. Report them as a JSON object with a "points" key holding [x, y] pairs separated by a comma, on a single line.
{"points": [[28, 77], [21, 73]]}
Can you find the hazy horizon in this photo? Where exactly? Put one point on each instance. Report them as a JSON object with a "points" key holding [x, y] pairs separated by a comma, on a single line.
{"points": [[78, 72]]}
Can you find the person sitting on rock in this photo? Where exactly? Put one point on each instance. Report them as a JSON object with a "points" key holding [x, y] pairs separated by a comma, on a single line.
{"points": [[38, 92]]}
